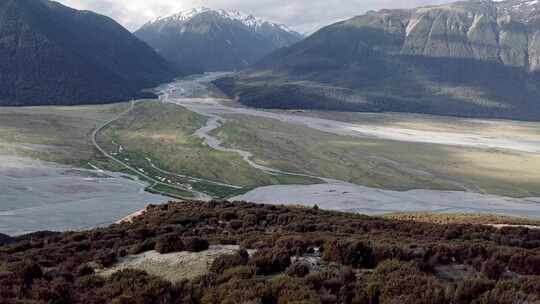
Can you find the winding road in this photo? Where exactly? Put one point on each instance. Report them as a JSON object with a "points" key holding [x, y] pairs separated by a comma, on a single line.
{"points": [[199, 195], [215, 122]]}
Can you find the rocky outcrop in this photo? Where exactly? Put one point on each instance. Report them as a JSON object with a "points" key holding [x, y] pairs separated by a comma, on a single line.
{"points": [[504, 32]]}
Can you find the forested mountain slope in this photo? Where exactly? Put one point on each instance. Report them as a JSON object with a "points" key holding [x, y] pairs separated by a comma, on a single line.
{"points": [[52, 54]]}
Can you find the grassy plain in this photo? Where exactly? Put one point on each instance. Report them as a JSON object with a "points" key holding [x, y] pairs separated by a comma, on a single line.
{"points": [[161, 134], [56, 134], [384, 163], [156, 131], [500, 127]]}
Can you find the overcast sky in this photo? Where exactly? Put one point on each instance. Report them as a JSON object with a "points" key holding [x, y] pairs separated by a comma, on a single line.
{"points": [[301, 15]]}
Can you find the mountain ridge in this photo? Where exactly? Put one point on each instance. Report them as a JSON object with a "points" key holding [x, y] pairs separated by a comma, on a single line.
{"points": [[53, 54], [204, 39], [247, 19], [467, 58]]}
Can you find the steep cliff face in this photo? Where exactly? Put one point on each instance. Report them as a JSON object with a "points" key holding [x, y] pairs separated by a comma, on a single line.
{"points": [[471, 58], [52, 54], [506, 32]]}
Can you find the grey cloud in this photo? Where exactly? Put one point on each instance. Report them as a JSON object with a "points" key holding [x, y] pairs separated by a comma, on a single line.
{"points": [[302, 15]]}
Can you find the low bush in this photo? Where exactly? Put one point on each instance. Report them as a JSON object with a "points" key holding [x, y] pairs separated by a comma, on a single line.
{"points": [[169, 244], [228, 261], [350, 253], [195, 244], [298, 269], [365, 259], [269, 261]]}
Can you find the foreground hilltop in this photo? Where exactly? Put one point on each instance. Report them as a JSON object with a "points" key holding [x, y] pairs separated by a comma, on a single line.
{"points": [[52, 54], [203, 39], [294, 255], [468, 58]]}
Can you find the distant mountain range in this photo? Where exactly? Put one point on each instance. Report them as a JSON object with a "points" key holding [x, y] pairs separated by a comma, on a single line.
{"points": [[203, 39], [52, 54], [471, 58]]}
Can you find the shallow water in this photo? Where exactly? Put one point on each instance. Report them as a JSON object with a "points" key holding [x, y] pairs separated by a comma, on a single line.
{"points": [[193, 93], [359, 199], [36, 196]]}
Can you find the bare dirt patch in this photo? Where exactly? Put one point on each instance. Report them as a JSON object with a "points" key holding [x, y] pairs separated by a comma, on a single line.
{"points": [[173, 267]]}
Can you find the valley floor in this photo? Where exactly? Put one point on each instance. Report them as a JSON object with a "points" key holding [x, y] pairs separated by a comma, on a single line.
{"points": [[194, 142], [462, 165]]}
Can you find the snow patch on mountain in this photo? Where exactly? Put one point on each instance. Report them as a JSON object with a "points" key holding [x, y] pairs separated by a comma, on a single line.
{"points": [[521, 10], [248, 20]]}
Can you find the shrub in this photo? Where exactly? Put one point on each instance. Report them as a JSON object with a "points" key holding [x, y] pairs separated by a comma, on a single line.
{"points": [[292, 290], [225, 262], [294, 245], [29, 271], [144, 246], [268, 261], [228, 216], [169, 244], [472, 288], [239, 291], [132, 286], [524, 263], [493, 269], [238, 273], [350, 253], [106, 258], [174, 243], [91, 282], [85, 270], [235, 224], [532, 263], [314, 280], [298, 269], [507, 291], [395, 281], [250, 220], [195, 244]]}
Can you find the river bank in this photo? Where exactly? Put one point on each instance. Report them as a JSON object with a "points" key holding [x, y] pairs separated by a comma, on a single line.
{"points": [[36, 195], [194, 93]]}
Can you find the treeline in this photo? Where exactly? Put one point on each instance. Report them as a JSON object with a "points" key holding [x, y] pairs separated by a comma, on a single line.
{"points": [[360, 259]]}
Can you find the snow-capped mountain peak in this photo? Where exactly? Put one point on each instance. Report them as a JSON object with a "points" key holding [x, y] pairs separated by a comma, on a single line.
{"points": [[204, 39], [247, 19], [183, 15]]}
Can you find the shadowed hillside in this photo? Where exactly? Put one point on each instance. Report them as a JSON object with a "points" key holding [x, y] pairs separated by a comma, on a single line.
{"points": [[471, 58], [52, 54]]}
